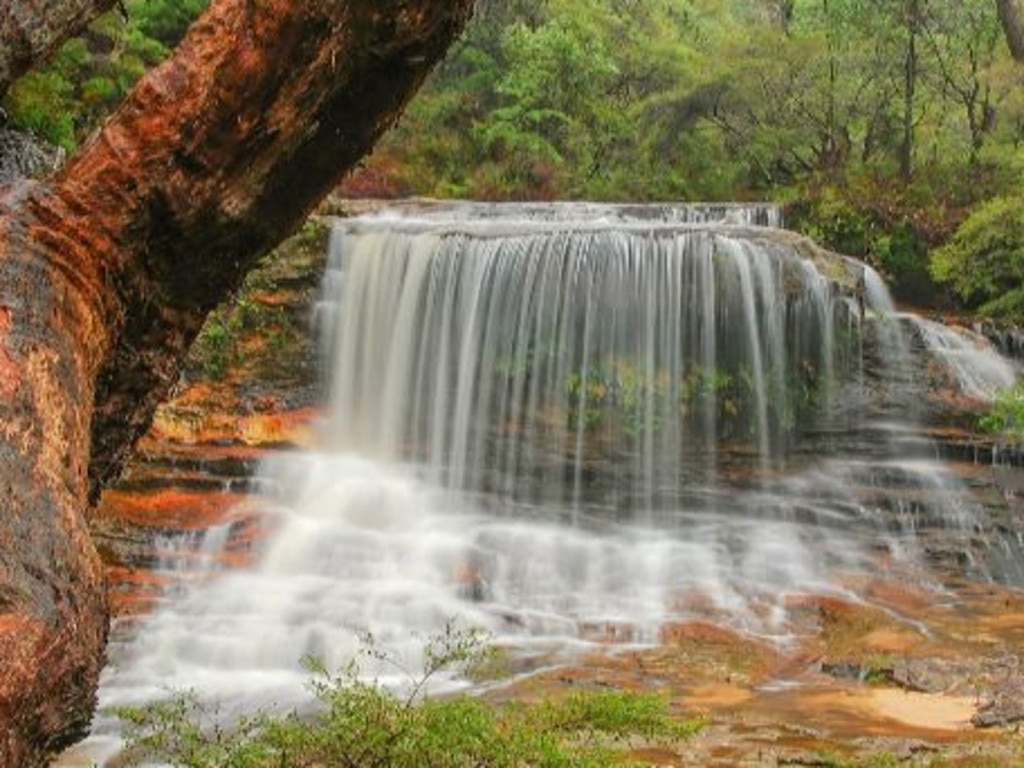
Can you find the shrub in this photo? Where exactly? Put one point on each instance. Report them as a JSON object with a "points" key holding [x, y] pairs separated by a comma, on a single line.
{"points": [[362, 724], [63, 100], [215, 345], [983, 263], [1006, 416], [865, 221]]}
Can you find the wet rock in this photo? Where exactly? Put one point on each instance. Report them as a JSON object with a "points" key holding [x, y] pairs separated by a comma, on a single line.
{"points": [[928, 675], [1004, 702], [190, 470], [844, 670], [1010, 482], [1009, 339], [1006, 707]]}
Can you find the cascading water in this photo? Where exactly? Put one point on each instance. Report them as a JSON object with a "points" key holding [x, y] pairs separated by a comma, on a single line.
{"points": [[516, 363], [566, 424], [975, 366]]}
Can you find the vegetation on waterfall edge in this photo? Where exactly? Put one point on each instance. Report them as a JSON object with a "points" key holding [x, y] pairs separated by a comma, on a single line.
{"points": [[360, 723], [631, 403], [984, 261], [254, 312], [1005, 418]]}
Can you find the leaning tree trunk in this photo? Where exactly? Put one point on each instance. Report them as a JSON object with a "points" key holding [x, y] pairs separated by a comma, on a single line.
{"points": [[1013, 27], [107, 272], [30, 30]]}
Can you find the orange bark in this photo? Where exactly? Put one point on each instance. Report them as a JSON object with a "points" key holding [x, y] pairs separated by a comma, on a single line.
{"points": [[107, 272]]}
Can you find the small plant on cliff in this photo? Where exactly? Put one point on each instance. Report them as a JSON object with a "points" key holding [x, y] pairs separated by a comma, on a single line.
{"points": [[214, 346], [362, 724], [1006, 416]]}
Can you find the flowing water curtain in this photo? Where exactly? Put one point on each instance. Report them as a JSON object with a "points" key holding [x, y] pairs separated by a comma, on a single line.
{"points": [[559, 363]]}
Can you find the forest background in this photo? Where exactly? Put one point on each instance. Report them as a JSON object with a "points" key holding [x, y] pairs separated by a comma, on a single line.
{"points": [[892, 130]]}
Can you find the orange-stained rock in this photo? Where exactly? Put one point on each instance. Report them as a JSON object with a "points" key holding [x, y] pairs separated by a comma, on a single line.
{"points": [[253, 429], [169, 508], [133, 591], [899, 596], [768, 705], [702, 632]]}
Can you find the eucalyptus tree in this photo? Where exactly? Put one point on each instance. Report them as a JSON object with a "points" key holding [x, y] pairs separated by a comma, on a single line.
{"points": [[962, 40], [108, 269]]}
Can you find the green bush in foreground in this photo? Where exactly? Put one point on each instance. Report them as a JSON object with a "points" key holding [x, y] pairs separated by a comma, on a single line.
{"points": [[363, 725]]}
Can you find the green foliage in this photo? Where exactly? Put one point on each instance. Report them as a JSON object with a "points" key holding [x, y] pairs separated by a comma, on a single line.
{"points": [[64, 100], [164, 21], [313, 234], [219, 344], [880, 231], [215, 346], [833, 221], [1006, 416], [361, 724], [678, 99], [889, 226], [587, 399], [550, 100], [697, 99], [631, 403], [42, 102], [983, 263]]}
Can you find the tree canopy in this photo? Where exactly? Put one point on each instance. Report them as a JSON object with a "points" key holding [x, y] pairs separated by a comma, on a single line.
{"points": [[882, 123]]}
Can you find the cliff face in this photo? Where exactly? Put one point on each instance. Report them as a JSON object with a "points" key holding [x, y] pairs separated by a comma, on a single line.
{"points": [[250, 384]]}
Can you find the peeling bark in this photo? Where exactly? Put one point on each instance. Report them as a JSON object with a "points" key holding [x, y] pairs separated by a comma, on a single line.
{"points": [[30, 30], [107, 271]]}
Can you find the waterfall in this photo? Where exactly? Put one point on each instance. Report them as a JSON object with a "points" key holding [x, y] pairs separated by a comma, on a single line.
{"points": [[975, 367], [517, 358], [573, 213], [566, 424]]}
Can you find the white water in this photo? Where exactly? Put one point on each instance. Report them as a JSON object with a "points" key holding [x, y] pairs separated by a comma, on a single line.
{"points": [[562, 428], [977, 368]]}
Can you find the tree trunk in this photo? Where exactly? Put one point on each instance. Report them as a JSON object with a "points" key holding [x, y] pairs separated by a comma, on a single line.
{"points": [[30, 30], [913, 26], [783, 12], [107, 272], [1013, 27]]}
